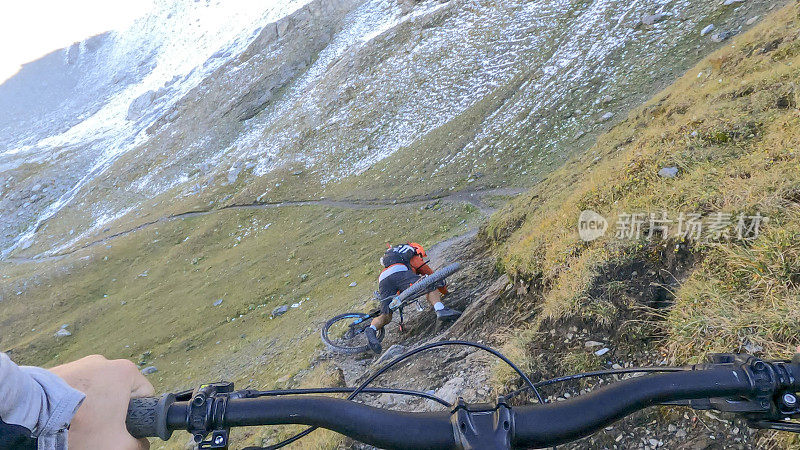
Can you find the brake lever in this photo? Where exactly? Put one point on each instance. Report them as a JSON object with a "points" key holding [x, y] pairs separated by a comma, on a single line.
{"points": [[770, 407]]}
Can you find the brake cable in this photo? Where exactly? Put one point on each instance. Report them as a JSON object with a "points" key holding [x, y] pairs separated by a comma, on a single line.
{"points": [[597, 373], [347, 390], [399, 359], [442, 344]]}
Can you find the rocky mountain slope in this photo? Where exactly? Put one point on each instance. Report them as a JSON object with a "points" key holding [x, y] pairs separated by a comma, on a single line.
{"points": [[170, 216], [344, 94]]}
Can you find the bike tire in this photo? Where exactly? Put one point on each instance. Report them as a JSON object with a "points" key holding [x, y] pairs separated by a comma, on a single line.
{"points": [[428, 282], [332, 345]]}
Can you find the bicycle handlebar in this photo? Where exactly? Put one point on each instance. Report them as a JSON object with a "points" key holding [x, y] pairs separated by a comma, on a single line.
{"points": [[566, 421], [741, 384]]}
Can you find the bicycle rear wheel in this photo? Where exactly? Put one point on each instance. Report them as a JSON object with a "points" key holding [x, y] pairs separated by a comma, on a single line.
{"points": [[345, 333], [428, 283]]}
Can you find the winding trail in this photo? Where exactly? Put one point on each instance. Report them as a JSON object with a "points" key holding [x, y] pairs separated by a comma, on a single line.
{"points": [[473, 197]]}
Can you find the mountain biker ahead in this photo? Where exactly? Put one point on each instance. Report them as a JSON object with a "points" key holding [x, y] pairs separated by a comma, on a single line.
{"points": [[403, 266]]}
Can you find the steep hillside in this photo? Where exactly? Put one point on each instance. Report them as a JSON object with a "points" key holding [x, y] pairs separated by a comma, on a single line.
{"points": [[274, 174], [723, 139], [347, 95]]}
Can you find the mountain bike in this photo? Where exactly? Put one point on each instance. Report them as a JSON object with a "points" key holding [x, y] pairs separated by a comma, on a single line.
{"points": [[345, 333], [762, 392]]}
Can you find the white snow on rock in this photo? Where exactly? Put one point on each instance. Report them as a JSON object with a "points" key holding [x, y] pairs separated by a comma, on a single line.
{"points": [[185, 35]]}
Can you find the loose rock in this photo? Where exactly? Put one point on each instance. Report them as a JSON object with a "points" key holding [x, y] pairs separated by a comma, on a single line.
{"points": [[149, 369], [668, 172], [391, 353], [722, 36], [606, 117], [280, 310], [653, 19], [451, 390], [752, 349]]}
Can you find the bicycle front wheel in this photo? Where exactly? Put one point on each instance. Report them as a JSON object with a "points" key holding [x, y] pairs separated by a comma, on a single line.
{"points": [[428, 283], [345, 333]]}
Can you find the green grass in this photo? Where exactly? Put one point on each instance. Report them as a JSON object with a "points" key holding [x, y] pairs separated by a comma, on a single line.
{"points": [[189, 264]]}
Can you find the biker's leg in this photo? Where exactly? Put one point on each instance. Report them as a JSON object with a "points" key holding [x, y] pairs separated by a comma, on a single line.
{"points": [[435, 298], [442, 312], [381, 321]]}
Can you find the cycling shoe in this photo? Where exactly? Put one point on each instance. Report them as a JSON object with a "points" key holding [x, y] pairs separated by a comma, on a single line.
{"points": [[372, 340], [447, 314]]}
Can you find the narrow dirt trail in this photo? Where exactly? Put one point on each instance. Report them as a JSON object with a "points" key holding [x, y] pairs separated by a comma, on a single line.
{"points": [[448, 372], [473, 197]]}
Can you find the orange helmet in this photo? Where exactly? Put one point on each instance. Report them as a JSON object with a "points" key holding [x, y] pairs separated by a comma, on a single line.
{"points": [[418, 248]]}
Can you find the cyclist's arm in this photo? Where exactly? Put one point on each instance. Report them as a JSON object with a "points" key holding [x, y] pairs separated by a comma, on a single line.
{"points": [[35, 405], [109, 386]]}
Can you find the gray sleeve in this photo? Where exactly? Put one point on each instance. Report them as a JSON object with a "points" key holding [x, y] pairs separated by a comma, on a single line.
{"points": [[38, 400]]}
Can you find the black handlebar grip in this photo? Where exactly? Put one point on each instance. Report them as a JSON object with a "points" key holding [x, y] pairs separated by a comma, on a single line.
{"points": [[147, 417]]}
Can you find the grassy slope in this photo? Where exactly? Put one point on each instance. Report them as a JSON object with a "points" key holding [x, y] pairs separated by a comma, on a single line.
{"points": [[732, 127], [191, 263]]}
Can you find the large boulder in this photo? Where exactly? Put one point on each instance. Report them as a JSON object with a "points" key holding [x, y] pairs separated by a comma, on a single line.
{"points": [[140, 105]]}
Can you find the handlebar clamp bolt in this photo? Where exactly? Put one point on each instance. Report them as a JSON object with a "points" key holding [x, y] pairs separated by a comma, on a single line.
{"points": [[789, 400]]}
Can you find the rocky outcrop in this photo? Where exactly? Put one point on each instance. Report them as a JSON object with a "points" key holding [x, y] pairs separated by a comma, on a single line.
{"points": [[243, 87], [140, 105], [51, 94], [474, 313]]}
